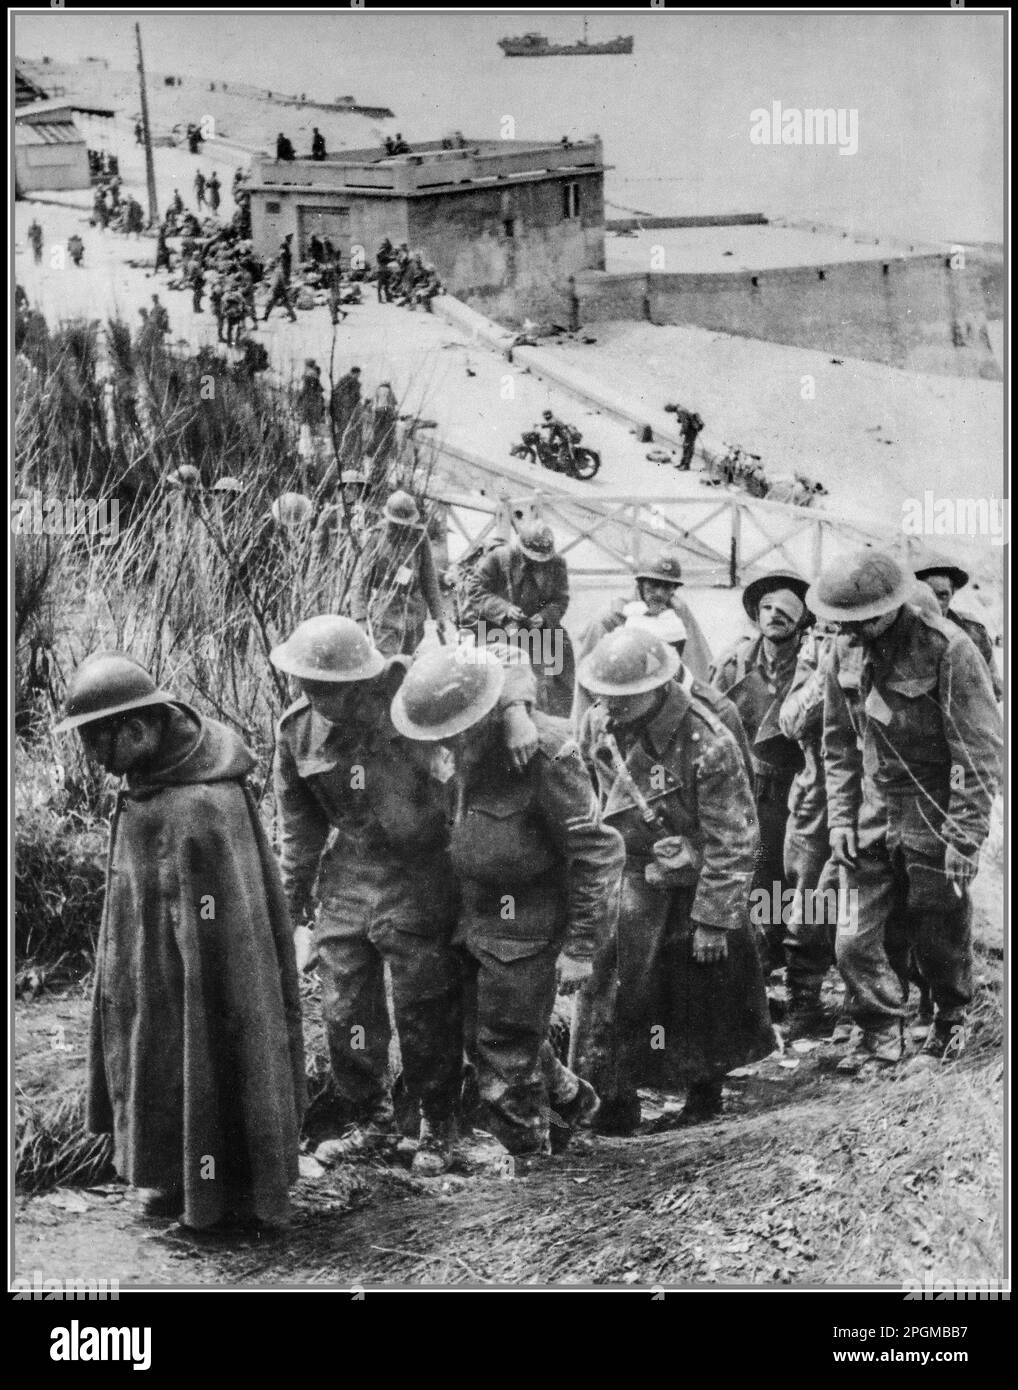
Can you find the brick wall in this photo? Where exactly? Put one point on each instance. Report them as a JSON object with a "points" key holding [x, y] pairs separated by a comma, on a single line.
{"points": [[526, 274]]}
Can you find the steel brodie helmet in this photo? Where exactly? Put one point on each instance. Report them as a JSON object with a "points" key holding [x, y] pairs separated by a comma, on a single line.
{"points": [[932, 562], [857, 587], [401, 510], [537, 542], [328, 648], [446, 692], [628, 661], [105, 684]]}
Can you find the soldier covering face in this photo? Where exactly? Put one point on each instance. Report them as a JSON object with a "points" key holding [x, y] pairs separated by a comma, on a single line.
{"points": [[538, 874]]}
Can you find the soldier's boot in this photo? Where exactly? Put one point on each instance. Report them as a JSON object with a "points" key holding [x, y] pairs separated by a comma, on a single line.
{"points": [[845, 1031], [373, 1136], [160, 1201], [434, 1149], [805, 1018], [618, 1115], [945, 1042], [567, 1118], [703, 1103], [879, 1050]]}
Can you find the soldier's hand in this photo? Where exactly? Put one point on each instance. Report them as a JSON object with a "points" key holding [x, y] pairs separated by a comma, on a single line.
{"points": [[844, 844], [521, 738], [515, 614], [570, 974], [960, 869], [710, 944], [305, 951]]}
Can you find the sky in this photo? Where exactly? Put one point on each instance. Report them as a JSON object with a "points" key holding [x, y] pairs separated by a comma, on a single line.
{"points": [[675, 117]]}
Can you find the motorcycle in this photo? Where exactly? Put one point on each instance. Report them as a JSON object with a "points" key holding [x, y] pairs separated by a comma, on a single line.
{"points": [[567, 456]]}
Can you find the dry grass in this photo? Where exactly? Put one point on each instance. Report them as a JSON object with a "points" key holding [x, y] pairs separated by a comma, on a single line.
{"points": [[52, 1147], [198, 586], [59, 864]]}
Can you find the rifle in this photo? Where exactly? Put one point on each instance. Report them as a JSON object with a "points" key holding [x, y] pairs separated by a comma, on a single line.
{"points": [[676, 862], [650, 817]]}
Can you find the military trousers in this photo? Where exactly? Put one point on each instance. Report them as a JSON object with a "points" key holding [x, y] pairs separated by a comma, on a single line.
{"points": [[510, 995], [770, 792], [279, 295], [810, 920], [905, 905], [371, 918]]}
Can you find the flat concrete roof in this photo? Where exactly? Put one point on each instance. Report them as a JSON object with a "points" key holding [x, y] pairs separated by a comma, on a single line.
{"points": [[428, 167], [702, 250]]}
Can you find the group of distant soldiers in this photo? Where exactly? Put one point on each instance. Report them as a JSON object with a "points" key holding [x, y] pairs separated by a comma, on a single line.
{"points": [[36, 239], [110, 210], [338, 433], [403, 277], [286, 152], [103, 164]]}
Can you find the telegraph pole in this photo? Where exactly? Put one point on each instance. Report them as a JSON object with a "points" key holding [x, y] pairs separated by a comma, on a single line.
{"points": [[150, 168]]}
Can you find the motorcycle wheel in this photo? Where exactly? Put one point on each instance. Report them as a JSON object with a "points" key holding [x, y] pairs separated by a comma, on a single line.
{"points": [[586, 463]]}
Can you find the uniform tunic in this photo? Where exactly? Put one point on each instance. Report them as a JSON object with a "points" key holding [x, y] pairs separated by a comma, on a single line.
{"points": [[981, 639], [714, 1016], [540, 874], [362, 828], [506, 577], [757, 687], [395, 586], [917, 714]]}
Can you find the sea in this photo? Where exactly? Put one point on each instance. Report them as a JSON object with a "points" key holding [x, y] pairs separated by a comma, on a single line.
{"points": [[676, 117]]}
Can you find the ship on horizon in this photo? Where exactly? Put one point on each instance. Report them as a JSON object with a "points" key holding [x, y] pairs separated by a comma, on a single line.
{"points": [[538, 46]]}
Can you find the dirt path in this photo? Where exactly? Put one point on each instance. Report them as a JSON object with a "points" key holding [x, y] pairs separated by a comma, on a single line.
{"points": [[810, 1178]]}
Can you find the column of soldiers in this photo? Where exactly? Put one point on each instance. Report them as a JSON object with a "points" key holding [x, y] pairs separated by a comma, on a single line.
{"points": [[437, 823]]}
